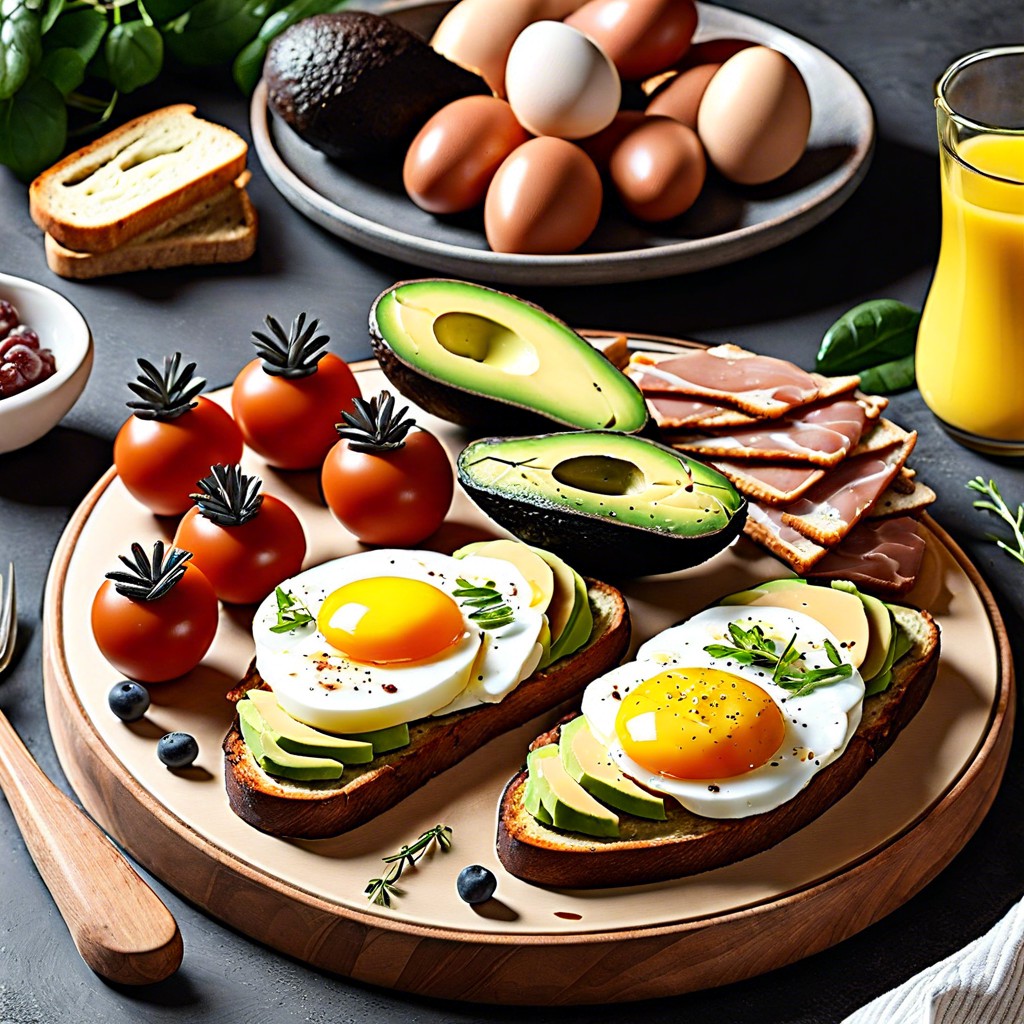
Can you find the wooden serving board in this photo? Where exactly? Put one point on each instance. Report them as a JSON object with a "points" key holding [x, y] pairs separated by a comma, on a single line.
{"points": [[868, 854]]}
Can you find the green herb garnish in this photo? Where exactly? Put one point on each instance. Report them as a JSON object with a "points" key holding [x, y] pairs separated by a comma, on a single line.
{"points": [[491, 611], [291, 612], [994, 503], [382, 890], [752, 647]]}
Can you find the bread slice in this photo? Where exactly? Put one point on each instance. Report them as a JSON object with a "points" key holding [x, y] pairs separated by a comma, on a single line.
{"points": [[134, 178], [223, 231], [685, 844], [316, 810]]}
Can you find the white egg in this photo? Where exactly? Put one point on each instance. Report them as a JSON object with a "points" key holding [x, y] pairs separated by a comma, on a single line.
{"points": [[559, 82], [816, 727], [417, 652]]}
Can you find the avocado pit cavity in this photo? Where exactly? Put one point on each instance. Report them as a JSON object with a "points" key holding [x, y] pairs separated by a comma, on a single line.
{"points": [[601, 474], [483, 340]]}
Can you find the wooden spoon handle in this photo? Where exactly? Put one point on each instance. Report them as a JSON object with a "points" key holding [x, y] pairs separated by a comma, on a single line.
{"points": [[120, 926]]}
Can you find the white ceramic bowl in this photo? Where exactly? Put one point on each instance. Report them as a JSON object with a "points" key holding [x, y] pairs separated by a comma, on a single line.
{"points": [[26, 416]]}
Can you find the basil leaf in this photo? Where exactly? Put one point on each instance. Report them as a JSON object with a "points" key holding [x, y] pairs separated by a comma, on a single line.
{"points": [[81, 30], [20, 44], [889, 377], [65, 68], [165, 10], [33, 127], [53, 9], [214, 31], [875, 332], [134, 53]]}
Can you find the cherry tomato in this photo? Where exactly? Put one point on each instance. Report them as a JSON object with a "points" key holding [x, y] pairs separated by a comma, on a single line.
{"points": [[154, 641], [244, 563], [394, 497], [160, 461], [290, 421]]}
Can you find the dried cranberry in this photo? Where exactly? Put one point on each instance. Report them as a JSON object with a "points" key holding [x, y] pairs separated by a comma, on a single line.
{"points": [[27, 362], [8, 318], [26, 335], [11, 381]]}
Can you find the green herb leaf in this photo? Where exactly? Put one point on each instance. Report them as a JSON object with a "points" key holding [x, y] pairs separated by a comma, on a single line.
{"points": [[291, 612], [382, 890], [993, 502], [81, 29], [873, 333], [214, 31], [33, 127], [886, 378], [20, 44], [134, 52], [65, 68], [50, 15], [492, 612], [165, 10]]}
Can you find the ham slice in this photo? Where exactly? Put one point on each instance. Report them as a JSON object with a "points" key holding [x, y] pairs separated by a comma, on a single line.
{"points": [[830, 509], [822, 434], [884, 555], [771, 484]]}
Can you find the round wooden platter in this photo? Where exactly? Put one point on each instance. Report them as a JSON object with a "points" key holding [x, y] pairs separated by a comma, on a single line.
{"points": [[868, 854]]}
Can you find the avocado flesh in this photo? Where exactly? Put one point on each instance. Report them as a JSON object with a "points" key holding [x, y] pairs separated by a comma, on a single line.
{"points": [[273, 759], [606, 502], [355, 85], [580, 626], [477, 356], [531, 795], [569, 805], [299, 738], [881, 627], [588, 763], [842, 613]]}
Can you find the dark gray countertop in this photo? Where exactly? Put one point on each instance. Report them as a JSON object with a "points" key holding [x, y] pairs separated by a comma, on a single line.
{"points": [[882, 243]]}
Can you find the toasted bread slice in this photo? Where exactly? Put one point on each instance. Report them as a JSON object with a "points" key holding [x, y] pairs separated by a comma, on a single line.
{"points": [[685, 844], [134, 178], [224, 231], [316, 810]]}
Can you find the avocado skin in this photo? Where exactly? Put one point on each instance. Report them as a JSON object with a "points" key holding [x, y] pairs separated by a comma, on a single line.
{"points": [[356, 86], [595, 545], [449, 401]]}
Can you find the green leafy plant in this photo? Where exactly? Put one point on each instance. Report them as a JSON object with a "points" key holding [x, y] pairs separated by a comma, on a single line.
{"points": [[384, 889], [992, 501], [291, 612], [491, 611], [752, 647], [876, 340], [65, 63]]}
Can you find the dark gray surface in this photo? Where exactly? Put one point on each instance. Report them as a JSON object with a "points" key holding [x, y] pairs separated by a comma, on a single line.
{"points": [[883, 243]]}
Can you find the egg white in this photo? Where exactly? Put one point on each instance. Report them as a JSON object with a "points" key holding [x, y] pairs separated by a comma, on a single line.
{"points": [[321, 686], [818, 726]]}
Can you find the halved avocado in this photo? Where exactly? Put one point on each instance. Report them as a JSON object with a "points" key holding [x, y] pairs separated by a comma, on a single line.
{"points": [[476, 356], [611, 504]]}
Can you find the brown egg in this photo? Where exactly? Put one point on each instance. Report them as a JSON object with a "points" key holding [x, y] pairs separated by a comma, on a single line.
{"points": [[642, 37], [658, 169], [755, 116], [680, 99], [600, 147], [451, 161], [545, 198]]}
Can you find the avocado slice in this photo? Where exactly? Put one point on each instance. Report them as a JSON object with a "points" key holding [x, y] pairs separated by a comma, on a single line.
{"points": [[842, 613], [393, 737], [477, 356], [356, 85], [580, 625], [587, 761], [881, 625], [531, 794], [275, 760], [610, 504], [299, 738], [569, 805]]}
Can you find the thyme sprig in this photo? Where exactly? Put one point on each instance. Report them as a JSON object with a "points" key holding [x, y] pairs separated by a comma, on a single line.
{"points": [[291, 612], [995, 504], [491, 611], [752, 647], [384, 889]]}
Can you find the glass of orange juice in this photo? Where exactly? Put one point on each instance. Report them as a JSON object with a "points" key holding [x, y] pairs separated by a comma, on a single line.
{"points": [[970, 344]]}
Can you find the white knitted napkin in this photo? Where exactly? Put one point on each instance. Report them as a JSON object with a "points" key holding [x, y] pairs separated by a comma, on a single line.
{"points": [[981, 984]]}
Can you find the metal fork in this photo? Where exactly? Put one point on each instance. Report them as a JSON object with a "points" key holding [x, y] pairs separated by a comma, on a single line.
{"points": [[119, 925]]}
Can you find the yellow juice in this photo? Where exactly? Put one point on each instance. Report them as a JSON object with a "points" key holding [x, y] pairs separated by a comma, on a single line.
{"points": [[970, 348]]}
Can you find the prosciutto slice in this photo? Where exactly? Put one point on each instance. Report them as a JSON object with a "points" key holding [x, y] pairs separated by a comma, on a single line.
{"points": [[883, 555]]}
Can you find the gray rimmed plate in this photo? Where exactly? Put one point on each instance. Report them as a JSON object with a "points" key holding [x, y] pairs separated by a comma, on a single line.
{"points": [[366, 205]]}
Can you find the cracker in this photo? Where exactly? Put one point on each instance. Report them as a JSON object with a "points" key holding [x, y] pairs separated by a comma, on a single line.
{"points": [[770, 483]]}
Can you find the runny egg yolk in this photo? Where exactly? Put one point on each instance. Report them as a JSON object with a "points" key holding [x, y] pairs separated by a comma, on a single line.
{"points": [[390, 619], [699, 723]]}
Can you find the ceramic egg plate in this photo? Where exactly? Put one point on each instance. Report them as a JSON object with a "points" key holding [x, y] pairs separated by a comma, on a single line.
{"points": [[898, 827], [368, 206]]}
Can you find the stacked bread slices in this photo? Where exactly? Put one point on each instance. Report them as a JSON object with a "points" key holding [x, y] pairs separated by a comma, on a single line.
{"points": [[164, 190], [823, 470]]}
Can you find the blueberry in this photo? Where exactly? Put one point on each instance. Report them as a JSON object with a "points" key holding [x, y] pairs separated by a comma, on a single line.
{"points": [[128, 700], [476, 884], [177, 749]]}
